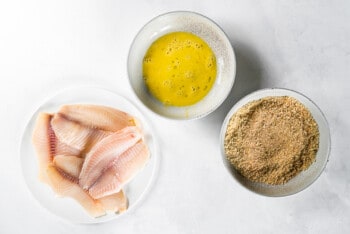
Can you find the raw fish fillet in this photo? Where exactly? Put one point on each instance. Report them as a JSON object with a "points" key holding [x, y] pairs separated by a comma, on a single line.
{"points": [[43, 140], [106, 151], [100, 117], [116, 202], [72, 166], [110, 139], [120, 171], [64, 149], [78, 136], [69, 164], [66, 186]]}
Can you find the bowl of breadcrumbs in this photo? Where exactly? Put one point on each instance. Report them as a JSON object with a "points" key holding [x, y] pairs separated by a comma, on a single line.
{"points": [[275, 142]]}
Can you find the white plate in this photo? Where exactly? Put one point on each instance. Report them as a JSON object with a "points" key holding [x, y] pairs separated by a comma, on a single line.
{"points": [[305, 178], [68, 208]]}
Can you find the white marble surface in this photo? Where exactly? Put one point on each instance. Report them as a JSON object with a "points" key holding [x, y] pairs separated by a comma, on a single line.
{"points": [[301, 45]]}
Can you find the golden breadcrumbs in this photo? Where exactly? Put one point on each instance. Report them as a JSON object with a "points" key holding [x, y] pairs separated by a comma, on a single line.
{"points": [[271, 140]]}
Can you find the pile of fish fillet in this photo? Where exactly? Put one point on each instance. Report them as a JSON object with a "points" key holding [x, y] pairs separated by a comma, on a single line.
{"points": [[89, 153]]}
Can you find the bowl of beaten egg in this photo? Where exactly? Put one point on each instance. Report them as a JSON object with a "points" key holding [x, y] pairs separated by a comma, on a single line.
{"points": [[181, 65]]}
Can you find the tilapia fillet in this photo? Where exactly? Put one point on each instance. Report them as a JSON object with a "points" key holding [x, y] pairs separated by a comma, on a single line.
{"points": [[88, 153], [116, 202], [69, 164], [79, 137], [105, 152], [65, 185], [43, 140], [121, 171], [64, 149], [70, 167], [99, 117]]}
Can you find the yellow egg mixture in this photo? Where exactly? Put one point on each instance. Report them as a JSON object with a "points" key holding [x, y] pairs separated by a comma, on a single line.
{"points": [[179, 69]]}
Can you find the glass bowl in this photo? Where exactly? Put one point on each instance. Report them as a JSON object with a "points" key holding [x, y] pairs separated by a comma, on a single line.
{"points": [[303, 179], [206, 29], [66, 207]]}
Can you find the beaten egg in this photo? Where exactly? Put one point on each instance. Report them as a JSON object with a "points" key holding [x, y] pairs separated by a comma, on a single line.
{"points": [[179, 69]]}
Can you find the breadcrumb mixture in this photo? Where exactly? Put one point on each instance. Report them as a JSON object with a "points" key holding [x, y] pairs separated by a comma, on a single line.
{"points": [[271, 140]]}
